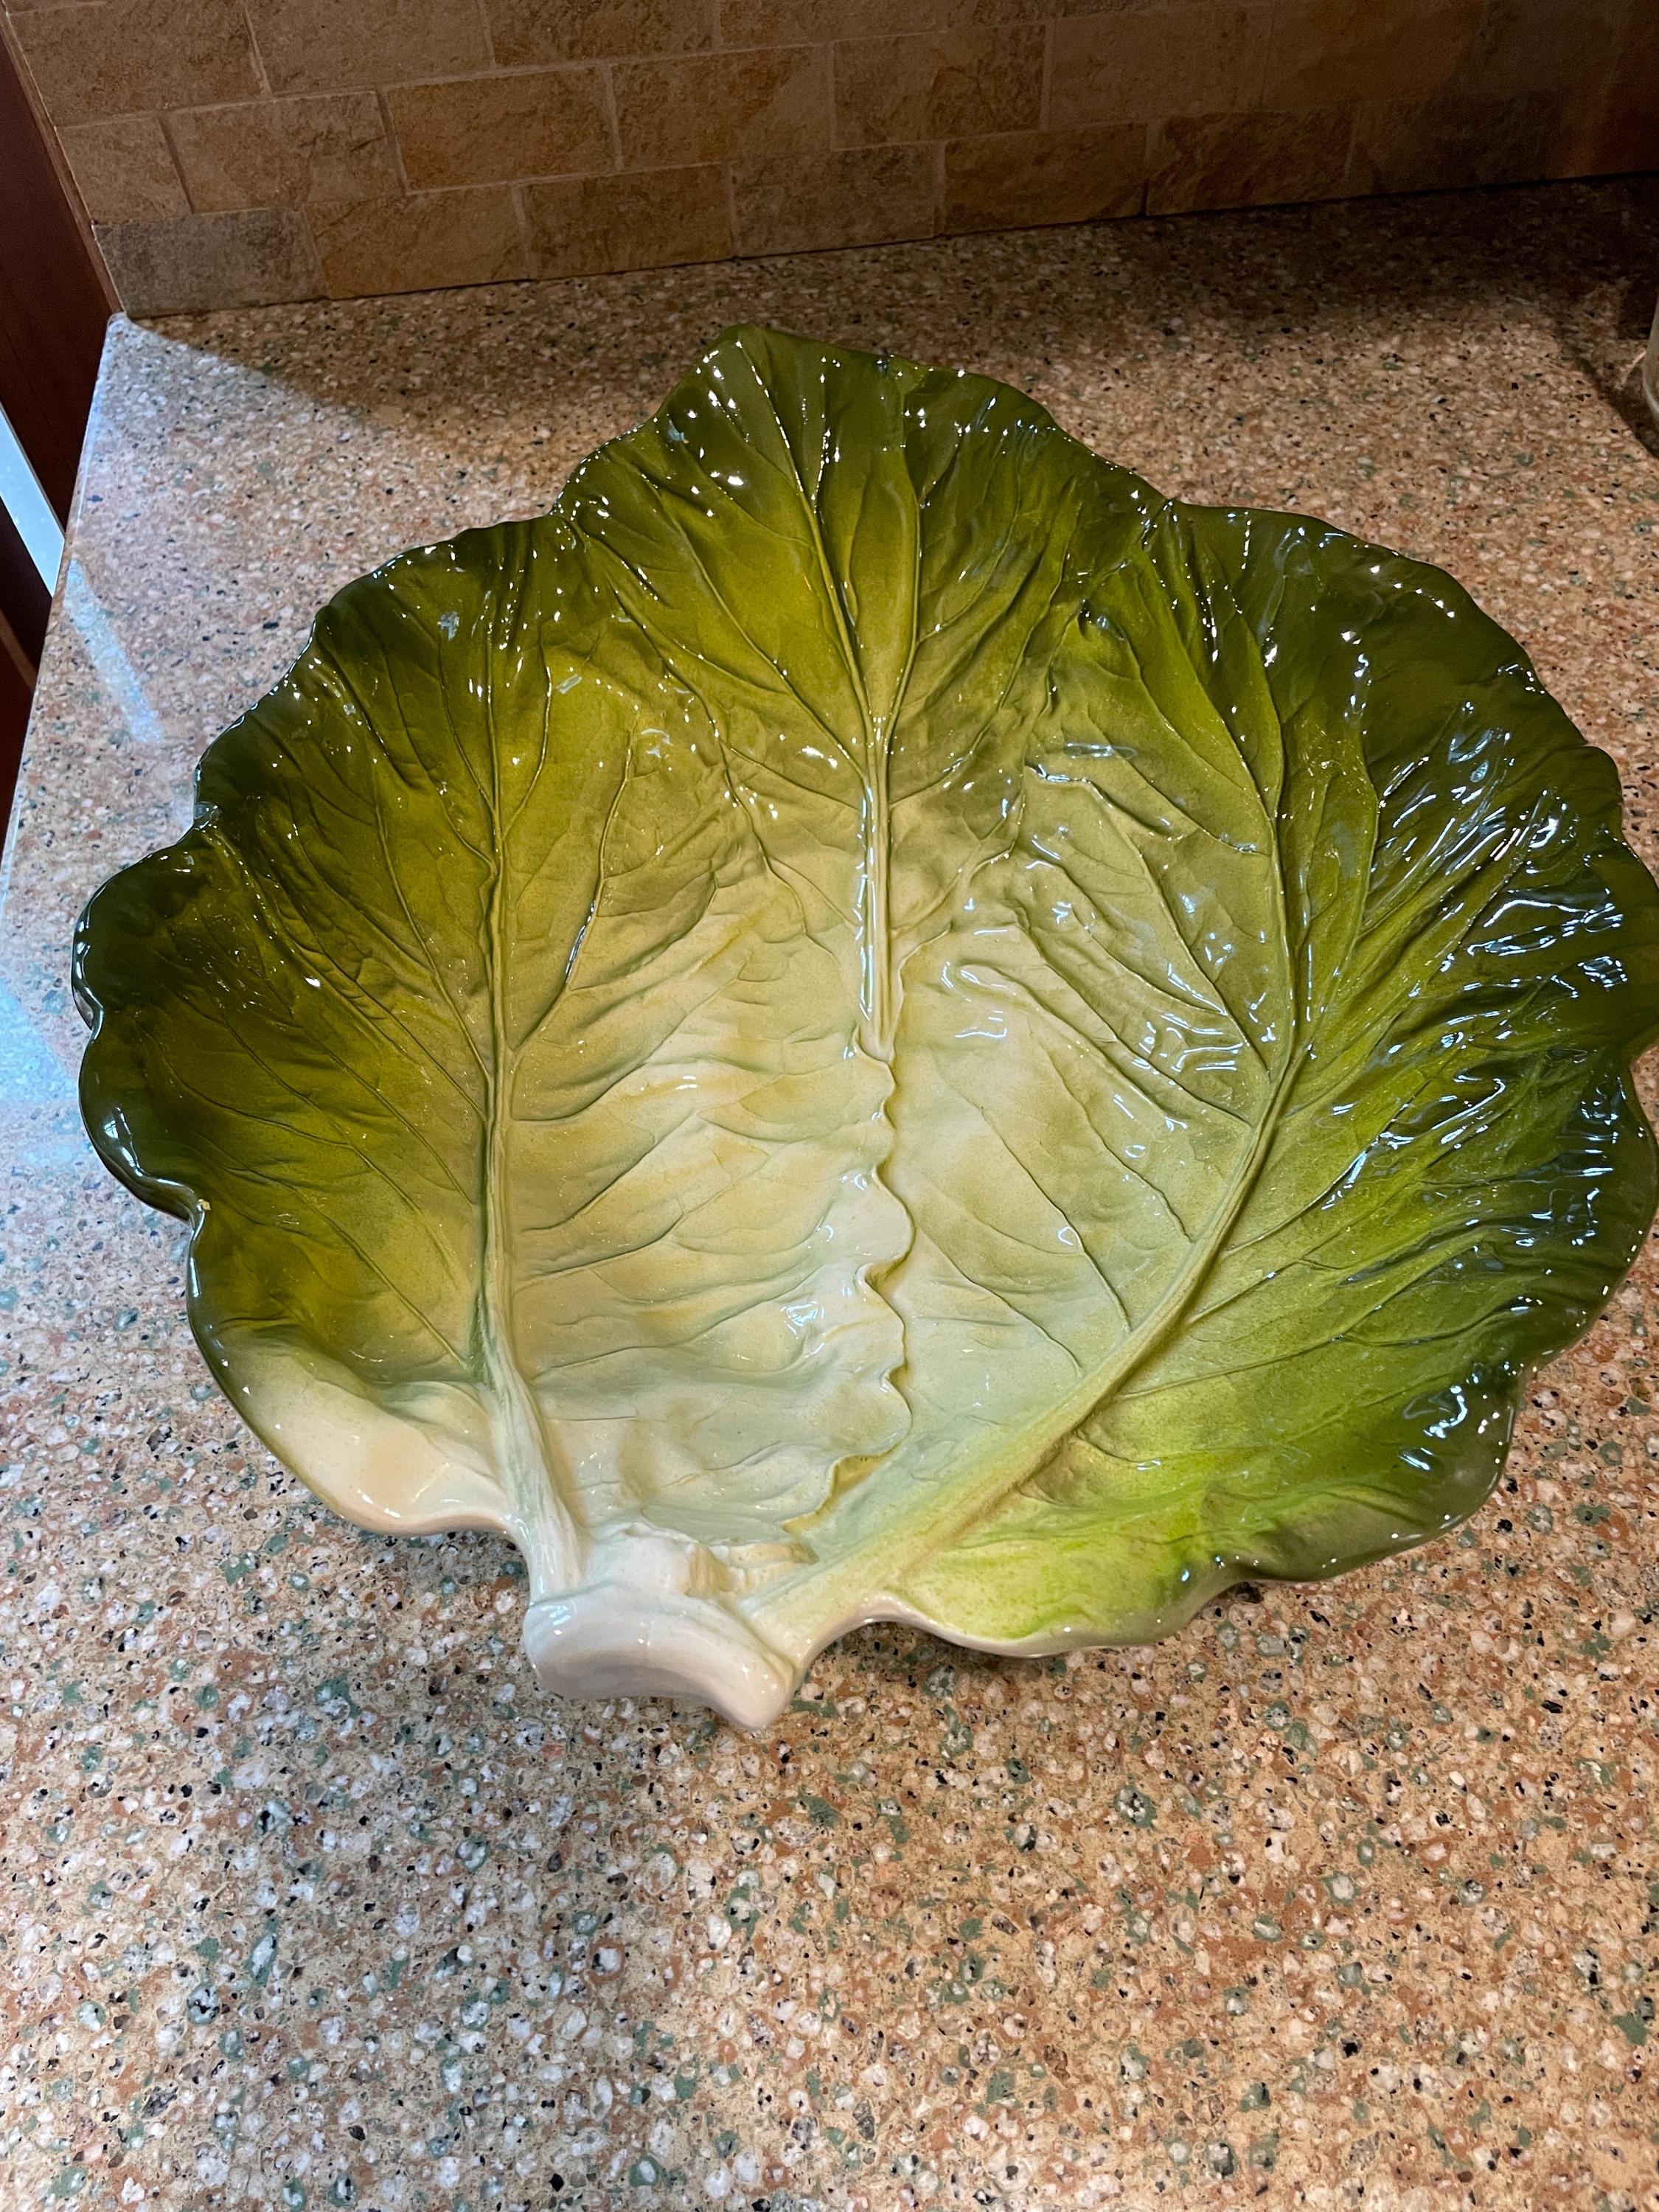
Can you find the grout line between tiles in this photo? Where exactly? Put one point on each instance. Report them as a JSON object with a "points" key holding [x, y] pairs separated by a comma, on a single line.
{"points": [[164, 123], [391, 138], [612, 116], [259, 68]]}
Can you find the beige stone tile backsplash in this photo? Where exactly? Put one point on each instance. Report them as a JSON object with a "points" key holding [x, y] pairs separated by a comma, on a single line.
{"points": [[764, 103], [536, 31], [327, 46], [492, 129], [236, 152], [850, 195], [1043, 176], [939, 84], [282, 153], [1135, 65], [126, 171]]}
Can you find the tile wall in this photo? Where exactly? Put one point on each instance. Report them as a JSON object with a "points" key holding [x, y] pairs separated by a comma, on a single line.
{"points": [[236, 152]]}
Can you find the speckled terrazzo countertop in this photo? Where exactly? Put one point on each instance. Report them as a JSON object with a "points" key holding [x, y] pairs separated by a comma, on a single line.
{"points": [[1342, 1895]]}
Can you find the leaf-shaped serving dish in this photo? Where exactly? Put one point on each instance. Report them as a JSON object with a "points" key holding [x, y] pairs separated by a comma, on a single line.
{"points": [[871, 1020]]}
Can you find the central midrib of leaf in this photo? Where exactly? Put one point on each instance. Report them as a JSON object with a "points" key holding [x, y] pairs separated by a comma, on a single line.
{"points": [[879, 991], [553, 1543]]}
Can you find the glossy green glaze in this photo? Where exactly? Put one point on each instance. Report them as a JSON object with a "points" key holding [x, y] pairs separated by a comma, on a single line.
{"points": [[870, 1019]]}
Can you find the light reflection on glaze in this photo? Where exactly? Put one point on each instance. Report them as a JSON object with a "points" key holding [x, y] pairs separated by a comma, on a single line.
{"points": [[869, 1020]]}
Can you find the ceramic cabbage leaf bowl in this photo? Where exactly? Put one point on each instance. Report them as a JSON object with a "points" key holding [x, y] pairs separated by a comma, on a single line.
{"points": [[869, 1020]]}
